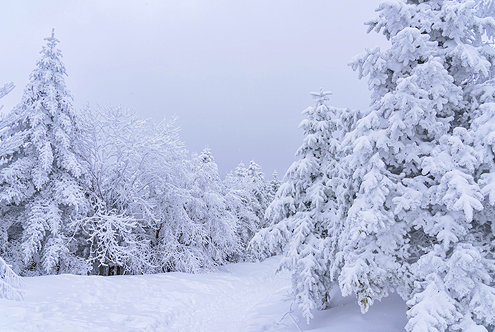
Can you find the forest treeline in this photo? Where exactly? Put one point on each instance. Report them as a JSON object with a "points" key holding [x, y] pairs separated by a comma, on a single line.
{"points": [[101, 191]]}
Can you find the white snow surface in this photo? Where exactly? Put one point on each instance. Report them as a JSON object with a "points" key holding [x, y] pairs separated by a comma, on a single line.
{"points": [[239, 297]]}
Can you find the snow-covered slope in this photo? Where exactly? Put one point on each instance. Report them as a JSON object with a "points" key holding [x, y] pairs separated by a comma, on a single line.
{"points": [[240, 297]]}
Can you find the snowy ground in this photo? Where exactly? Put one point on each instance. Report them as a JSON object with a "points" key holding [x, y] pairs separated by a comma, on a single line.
{"points": [[241, 297]]}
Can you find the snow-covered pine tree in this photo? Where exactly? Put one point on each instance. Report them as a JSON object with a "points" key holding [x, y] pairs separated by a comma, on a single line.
{"points": [[421, 221], [40, 171], [306, 213], [239, 200]]}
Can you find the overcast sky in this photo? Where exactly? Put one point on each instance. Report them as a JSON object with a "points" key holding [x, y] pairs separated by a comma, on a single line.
{"points": [[237, 73]]}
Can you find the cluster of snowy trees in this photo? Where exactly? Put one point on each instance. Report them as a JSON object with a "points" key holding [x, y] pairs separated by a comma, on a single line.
{"points": [[101, 191], [400, 198]]}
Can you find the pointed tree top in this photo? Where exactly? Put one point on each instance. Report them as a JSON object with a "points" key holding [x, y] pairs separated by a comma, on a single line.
{"points": [[52, 41], [321, 96], [206, 156]]}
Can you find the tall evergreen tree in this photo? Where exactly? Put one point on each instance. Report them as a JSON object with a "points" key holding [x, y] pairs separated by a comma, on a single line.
{"points": [[421, 220], [260, 192], [40, 170], [306, 213]]}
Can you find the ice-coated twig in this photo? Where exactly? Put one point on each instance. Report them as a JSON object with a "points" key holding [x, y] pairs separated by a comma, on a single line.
{"points": [[292, 317], [5, 90]]}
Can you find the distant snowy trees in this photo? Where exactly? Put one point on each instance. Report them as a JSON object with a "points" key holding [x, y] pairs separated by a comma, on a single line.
{"points": [[248, 196], [104, 192], [153, 209], [133, 166], [207, 210], [402, 199]]}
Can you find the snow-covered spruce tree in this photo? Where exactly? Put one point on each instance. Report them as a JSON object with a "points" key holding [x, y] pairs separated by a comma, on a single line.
{"points": [[421, 221], [306, 214], [40, 171], [136, 174]]}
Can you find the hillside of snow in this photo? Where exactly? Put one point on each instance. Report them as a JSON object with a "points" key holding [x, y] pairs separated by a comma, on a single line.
{"points": [[240, 297]]}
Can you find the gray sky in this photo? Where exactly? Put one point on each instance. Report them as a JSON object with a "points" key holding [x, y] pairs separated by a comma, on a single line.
{"points": [[237, 73]]}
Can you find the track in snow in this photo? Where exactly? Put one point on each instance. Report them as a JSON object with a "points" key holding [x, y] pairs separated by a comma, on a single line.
{"points": [[221, 301], [240, 298]]}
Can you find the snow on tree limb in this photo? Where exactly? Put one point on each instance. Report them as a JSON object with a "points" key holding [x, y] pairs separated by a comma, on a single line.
{"points": [[11, 285]]}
